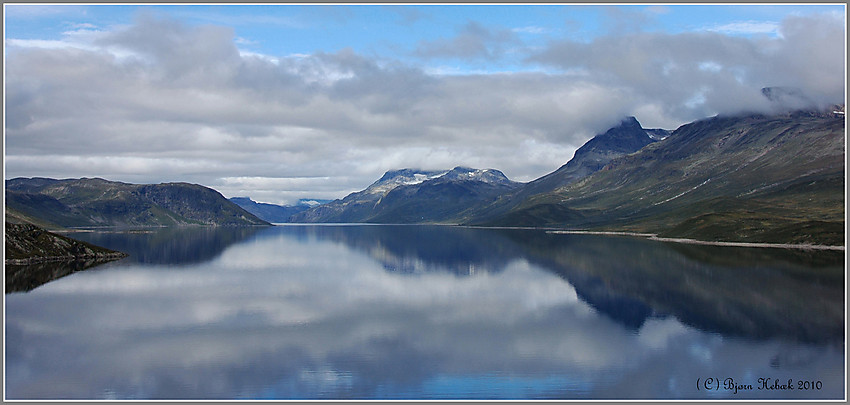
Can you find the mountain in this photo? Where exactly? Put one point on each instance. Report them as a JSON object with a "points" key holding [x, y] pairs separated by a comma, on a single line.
{"points": [[625, 138], [98, 202], [777, 178], [273, 212], [788, 98], [28, 246], [415, 196]]}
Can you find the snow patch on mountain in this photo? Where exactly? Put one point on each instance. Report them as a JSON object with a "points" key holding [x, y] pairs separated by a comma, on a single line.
{"points": [[406, 177]]}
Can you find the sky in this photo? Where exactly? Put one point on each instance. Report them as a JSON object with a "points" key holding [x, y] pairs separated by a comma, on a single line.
{"points": [[284, 102]]}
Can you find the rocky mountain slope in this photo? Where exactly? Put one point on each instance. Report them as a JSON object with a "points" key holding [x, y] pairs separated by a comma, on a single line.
{"points": [[98, 202], [625, 138], [415, 196], [760, 178]]}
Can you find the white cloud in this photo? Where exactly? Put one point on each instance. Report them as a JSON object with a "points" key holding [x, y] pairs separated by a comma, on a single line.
{"points": [[82, 26], [244, 41], [473, 41], [531, 29], [747, 28], [43, 43], [182, 102], [698, 74]]}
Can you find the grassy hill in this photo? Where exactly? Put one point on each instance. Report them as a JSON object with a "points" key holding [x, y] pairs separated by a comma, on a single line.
{"points": [[753, 178], [98, 202]]}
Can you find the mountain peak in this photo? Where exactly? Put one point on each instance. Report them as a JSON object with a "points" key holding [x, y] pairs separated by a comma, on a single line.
{"points": [[626, 137], [414, 196], [395, 178], [402, 173], [482, 175], [629, 121], [407, 177]]}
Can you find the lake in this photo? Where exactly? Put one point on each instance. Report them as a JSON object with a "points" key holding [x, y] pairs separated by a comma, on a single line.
{"points": [[428, 312]]}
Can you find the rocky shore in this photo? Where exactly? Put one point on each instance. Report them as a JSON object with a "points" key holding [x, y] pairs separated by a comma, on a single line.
{"points": [[35, 256], [653, 236]]}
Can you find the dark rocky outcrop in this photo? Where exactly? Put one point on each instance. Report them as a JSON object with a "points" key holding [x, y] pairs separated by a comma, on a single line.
{"points": [[35, 256]]}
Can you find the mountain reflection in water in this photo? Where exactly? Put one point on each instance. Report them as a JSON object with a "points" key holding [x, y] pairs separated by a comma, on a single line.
{"points": [[170, 245], [427, 312], [756, 293]]}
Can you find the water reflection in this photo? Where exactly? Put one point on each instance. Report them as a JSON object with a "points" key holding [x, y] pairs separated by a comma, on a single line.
{"points": [[175, 246], [418, 249], [754, 293], [313, 312], [23, 278], [169, 245]]}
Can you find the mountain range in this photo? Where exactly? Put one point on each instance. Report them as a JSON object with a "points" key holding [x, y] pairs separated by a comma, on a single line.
{"points": [[274, 212], [776, 178], [759, 178], [90, 202], [749, 178], [415, 196], [625, 138]]}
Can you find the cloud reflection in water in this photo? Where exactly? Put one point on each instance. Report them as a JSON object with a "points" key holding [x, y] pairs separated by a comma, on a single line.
{"points": [[300, 313]]}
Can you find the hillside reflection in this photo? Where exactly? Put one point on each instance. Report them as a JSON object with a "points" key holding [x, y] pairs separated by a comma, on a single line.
{"points": [[754, 293], [379, 312], [170, 245], [421, 249]]}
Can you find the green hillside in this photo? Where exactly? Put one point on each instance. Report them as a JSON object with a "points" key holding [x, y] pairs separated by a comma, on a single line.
{"points": [[98, 202], [754, 178]]}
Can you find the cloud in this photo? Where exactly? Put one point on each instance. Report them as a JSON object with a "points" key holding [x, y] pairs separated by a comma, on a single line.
{"points": [[723, 74], [747, 28], [659, 10], [473, 41], [180, 102], [37, 11], [530, 29], [188, 93], [627, 20], [408, 15]]}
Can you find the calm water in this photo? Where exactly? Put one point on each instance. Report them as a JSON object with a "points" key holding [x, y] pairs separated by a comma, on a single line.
{"points": [[427, 312]]}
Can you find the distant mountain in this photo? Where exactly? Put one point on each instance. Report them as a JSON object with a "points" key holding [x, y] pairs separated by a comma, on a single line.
{"points": [[759, 178], [625, 138], [415, 196], [273, 212], [99, 202]]}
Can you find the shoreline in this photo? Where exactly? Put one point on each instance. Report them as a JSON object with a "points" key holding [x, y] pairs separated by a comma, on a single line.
{"points": [[100, 257], [655, 237]]}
